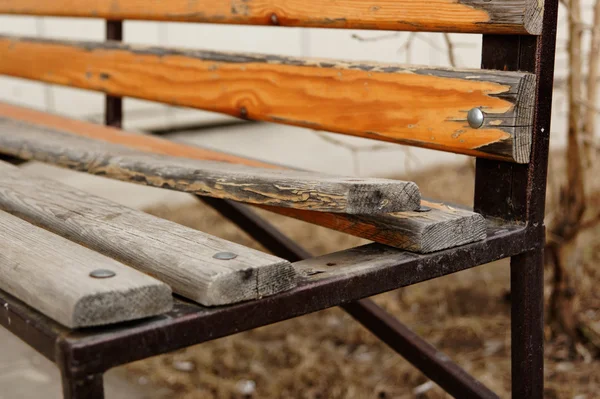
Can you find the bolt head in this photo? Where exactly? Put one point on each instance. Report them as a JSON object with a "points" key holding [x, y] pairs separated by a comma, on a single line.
{"points": [[102, 273], [423, 209], [225, 255], [475, 118]]}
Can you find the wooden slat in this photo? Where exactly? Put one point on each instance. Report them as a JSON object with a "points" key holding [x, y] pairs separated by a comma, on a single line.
{"points": [[274, 187], [177, 255], [471, 16], [419, 106], [52, 275], [440, 228], [392, 229]]}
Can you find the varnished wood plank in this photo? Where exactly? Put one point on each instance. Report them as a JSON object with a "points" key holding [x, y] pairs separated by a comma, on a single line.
{"points": [[420, 106], [179, 256], [471, 16], [52, 275], [368, 229], [274, 187]]}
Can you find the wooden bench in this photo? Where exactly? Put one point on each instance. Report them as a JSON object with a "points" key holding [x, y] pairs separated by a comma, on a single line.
{"points": [[100, 263]]}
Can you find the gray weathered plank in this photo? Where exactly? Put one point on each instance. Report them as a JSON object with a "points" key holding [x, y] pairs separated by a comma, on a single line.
{"points": [[179, 256], [440, 228], [274, 187], [372, 258], [51, 274]]}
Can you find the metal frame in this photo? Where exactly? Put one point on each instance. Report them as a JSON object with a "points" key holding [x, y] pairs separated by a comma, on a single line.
{"points": [[515, 230]]}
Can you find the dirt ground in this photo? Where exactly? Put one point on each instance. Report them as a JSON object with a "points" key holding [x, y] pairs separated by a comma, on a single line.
{"points": [[328, 355]]}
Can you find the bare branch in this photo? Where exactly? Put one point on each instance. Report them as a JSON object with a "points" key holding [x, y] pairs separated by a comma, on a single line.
{"points": [[592, 86], [387, 36], [450, 47]]}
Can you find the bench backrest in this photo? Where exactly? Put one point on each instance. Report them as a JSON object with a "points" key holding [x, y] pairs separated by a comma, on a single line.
{"points": [[485, 113], [466, 16]]}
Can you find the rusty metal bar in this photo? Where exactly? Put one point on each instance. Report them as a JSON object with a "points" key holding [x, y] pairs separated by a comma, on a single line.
{"points": [[527, 318], [88, 387], [434, 364], [33, 328], [500, 188], [523, 198], [113, 115]]}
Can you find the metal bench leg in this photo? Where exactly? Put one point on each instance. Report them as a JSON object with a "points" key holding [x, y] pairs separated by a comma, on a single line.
{"points": [[527, 318], [113, 108], [87, 387]]}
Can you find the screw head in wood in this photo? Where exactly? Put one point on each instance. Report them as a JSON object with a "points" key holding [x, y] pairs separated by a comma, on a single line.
{"points": [[225, 255], [274, 19], [475, 118], [102, 273]]}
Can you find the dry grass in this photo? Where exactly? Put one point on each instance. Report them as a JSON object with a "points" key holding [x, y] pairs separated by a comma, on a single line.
{"points": [[328, 355]]}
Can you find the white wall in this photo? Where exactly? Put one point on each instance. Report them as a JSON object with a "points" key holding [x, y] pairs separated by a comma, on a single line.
{"points": [[278, 143]]}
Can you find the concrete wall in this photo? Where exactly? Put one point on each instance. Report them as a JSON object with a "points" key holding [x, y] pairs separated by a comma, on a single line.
{"points": [[277, 143]]}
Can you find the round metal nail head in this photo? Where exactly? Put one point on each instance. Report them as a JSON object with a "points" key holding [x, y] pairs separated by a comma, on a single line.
{"points": [[423, 209], [225, 255], [475, 118], [102, 273]]}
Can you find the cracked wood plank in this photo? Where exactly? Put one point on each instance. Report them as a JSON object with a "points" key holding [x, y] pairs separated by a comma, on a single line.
{"points": [[177, 255], [253, 185], [466, 16], [423, 232], [420, 106], [52, 275], [439, 229]]}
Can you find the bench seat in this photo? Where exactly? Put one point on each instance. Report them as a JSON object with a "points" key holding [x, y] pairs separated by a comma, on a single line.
{"points": [[325, 281], [185, 259]]}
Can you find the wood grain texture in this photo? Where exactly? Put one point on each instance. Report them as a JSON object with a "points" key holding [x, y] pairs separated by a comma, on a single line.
{"points": [[471, 16], [274, 187], [177, 255], [368, 229], [145, 143], [418, 106], [423, 232], [51, 274]]}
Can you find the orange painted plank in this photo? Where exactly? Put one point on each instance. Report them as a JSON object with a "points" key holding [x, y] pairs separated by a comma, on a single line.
{"points": [[442, 227], [425, 107], [471, 16]]}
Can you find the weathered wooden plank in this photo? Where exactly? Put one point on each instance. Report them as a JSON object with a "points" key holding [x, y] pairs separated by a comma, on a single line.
{"points": [[274, 187], [368, 229], [145, 143], [177, 255], [418, 106], [52, 275], [439, 228], [470, 16]]}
